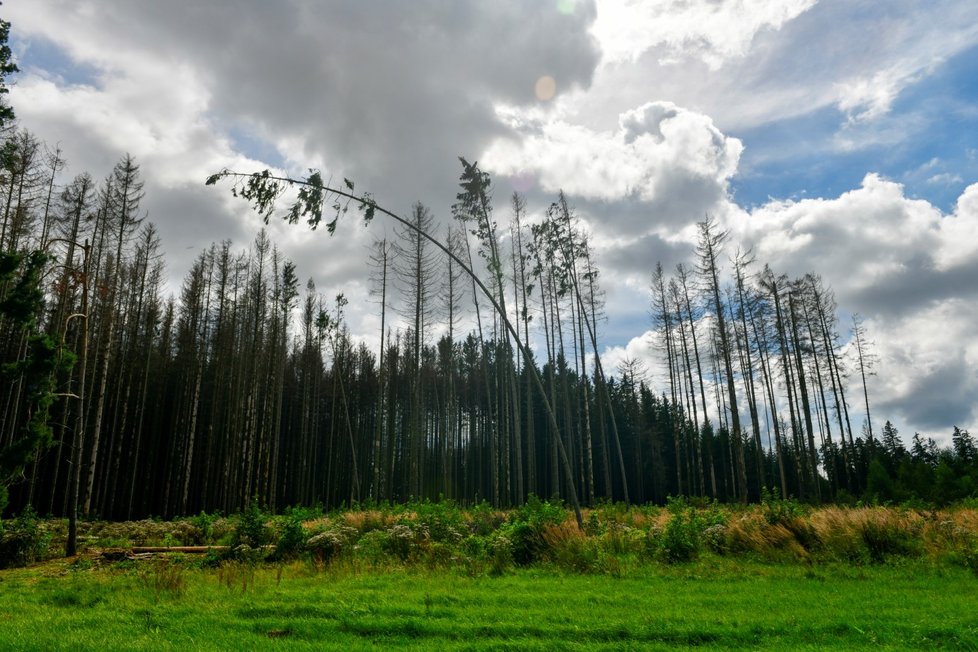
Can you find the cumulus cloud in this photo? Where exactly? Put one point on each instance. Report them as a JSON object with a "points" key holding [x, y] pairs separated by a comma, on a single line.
{"points": [[660, 152], [908, 268], [642, 349], [886, 252], [390, 93], [928, 371]]}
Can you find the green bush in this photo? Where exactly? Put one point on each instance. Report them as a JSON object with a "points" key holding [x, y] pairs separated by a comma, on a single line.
{"points": [[372, 547], [22, 540], [442, 520], [291, 536], [682, 540], [401, 540], [500, 550], [251, 527], [778, 510], [204, 524], [329, 544], [526, 526], [483, 520]]}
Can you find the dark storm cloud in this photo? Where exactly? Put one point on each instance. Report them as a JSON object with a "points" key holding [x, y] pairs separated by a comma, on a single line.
{"points": [[916, 286], [937, 399], [638, 256], [388, 93]]}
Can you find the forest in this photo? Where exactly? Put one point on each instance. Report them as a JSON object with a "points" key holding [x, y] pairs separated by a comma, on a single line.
{"points": [[122, 402]]}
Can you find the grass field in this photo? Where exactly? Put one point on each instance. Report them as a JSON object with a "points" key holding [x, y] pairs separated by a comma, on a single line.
{"points": [[712, 603]]}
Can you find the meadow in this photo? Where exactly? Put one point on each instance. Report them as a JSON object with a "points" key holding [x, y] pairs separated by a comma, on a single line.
{"points": [[435, 576]]}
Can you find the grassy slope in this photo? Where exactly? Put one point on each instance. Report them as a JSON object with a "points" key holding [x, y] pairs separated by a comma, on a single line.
{"points": [[716, 602]]}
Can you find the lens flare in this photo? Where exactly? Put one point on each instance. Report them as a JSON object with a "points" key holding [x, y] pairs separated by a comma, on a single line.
{"points": [[545, 88]]}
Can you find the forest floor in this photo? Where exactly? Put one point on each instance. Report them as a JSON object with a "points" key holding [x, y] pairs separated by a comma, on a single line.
{"points": [[715, 602]]}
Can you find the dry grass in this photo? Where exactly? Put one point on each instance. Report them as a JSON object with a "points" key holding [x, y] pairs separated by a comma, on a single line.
{"points": [[857, 534]]}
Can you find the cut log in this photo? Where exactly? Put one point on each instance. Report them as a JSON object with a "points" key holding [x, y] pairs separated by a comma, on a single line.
{"points": [[194, 550]]}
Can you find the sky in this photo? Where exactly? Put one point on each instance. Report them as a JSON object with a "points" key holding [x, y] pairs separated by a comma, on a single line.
{"points": [[835, 136]]}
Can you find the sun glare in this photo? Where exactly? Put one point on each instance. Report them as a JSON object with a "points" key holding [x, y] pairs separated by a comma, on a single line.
{"points": [[545, 88]]}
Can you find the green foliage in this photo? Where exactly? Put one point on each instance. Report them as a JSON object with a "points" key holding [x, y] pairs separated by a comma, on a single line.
{"points": [[401, 540], [778, 510], [20, 304], [251, 527], [682, 539], [483, 519], [203, 523], [500, 551], [291, 536], [326, 546], [526, 527], [879, 485], [443, 521], [23, 540], [7, 67]]}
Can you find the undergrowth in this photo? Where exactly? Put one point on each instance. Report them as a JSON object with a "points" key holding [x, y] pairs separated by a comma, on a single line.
{"points": [[482, 540]]}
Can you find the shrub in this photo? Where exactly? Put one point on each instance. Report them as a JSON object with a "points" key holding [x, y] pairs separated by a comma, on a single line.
{"points": [[527, 525], [188, 533], [291, 536], [483, 520], [443, 521], [22, 540], [251, 527], [327, 545], [439, 555], [402, 540], [622, 539], [500, 549], [372, 547], [778, 510], [681, 541], [539, 513], [203, 523]]}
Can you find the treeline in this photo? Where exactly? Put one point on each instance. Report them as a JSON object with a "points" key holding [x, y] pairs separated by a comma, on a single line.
{"points": [[206, 400], [127, 403]]}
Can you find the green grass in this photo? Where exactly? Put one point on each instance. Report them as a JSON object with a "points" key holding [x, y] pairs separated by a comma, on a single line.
{"points": [[714, 603]]}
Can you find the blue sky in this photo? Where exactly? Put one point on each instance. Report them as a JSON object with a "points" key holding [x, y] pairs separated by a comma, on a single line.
{"points": [[931, 147], [836, 136]]}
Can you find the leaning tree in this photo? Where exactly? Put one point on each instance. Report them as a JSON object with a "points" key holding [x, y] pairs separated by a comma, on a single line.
{"points": [[315, 199]]}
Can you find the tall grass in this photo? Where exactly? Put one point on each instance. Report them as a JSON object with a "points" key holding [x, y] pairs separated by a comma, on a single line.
{"points": [[483, 540]]}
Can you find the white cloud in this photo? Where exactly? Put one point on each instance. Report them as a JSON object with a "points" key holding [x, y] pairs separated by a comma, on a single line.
{"points": [[657, 149], [641, 348], [927, 376], [172, 80], [866, 98], [711, 31], [863, 236], [945, 179]]}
